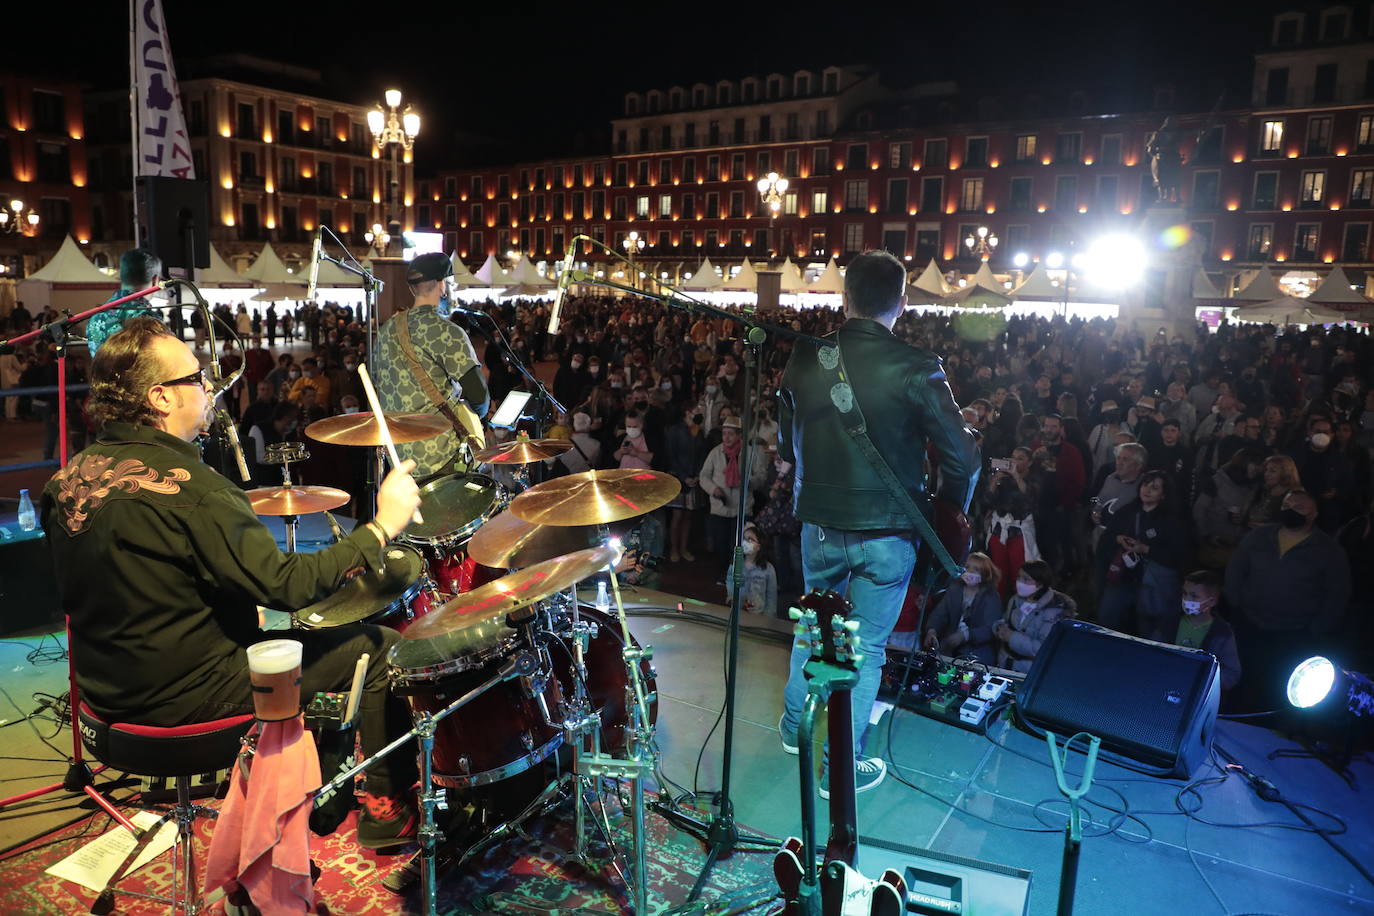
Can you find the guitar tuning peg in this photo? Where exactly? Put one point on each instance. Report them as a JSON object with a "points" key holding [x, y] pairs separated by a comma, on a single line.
{"points": [[855, 642], [852, 626], [794, 613], [857, 658]]}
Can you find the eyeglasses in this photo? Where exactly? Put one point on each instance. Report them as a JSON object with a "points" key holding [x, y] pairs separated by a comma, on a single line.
{"points": [[195, 378]]}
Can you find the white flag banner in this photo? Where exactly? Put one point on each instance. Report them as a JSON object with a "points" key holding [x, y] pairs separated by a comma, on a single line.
{"points": [[163, 148]]}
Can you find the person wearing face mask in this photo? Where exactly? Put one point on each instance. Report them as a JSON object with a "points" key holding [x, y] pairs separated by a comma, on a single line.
{"points": [[1288, 586], [1031, 613], [634, 451], [1103, 437], [426, 363], [685, 444], [280, 426], [1140, 557], [571, 381], [310, 378], [1326, 473], [961, 624], [779, 523], [1201, 628], [760, 580], [712, 400]]}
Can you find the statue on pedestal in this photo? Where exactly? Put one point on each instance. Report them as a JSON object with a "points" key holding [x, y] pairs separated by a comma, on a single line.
{"points": [[1166, 162]]}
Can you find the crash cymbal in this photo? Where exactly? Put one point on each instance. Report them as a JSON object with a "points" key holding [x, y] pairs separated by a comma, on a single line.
{"points": [[487, 606], [301, 500], [361, 428], [507, 541], [523, 451], [595, 497]]}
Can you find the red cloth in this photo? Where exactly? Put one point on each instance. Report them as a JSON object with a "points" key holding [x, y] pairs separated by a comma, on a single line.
{"points": [[732, 463], [262, 836]]}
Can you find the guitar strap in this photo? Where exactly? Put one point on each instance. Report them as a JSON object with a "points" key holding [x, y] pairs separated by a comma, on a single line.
{"points": [[842, 397], [421, 376]]}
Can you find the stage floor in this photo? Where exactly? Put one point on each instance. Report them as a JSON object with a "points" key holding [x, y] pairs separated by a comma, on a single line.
{"points": [[974, 796]]}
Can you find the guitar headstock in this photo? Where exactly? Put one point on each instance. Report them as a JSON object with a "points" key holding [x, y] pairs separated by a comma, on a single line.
{"points": [[821, 616]]}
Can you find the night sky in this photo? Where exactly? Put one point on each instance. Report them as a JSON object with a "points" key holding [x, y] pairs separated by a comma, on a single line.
{"points": [[540, 74]]}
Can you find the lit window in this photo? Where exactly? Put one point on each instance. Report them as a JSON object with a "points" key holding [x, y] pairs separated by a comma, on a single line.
{"points": [[789, 203], [1271, 137], [1361, 185], [642, 206], [1025, 148], [820, 201], [665, 205], [972, 196], [1313, 188]]}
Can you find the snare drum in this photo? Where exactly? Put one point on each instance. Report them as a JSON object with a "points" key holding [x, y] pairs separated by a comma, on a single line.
{"points": [[453, 508], [500, 733], [384, 597]]}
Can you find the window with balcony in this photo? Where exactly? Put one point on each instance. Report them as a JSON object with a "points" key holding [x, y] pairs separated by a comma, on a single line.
{"points": [[763, 164], [765, 128], [579, 205], [856, 156], [1324, 84], [1068, 148], [897, 195], [559, 211], [1364, 134], [713, 205], [1266, 192], [598, 205], [820, 201], [1206, 188], [54, 163], [503, 186], [1361, 188], [1276, 86], [286, 127], [475, 186], [932, 195], [823, 123], [1025, 148], [789, 203], [736, 204], [1318, 136], [820, 160], [503, 214], [791, 163], [1108, 191], [1019, 196], [247, 121], [853, 238], [899, 156], [1355, 242], [622, 174], [1260, 241], [1016, 238], [689, 169], [324, 131], [665, 171], [971, 195], [1271, 138], [792, 131], [689, 206], [713, 168], [856, 195], [665, 206], [936, 154], [737, 167], [1066, 193], [976, 153], [1312, 190], [1110, 151], [1305, 240], [620, 207], [642, 206]]}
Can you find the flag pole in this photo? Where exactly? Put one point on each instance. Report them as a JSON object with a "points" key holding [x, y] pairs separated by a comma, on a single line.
{"points": [[133, 111]]}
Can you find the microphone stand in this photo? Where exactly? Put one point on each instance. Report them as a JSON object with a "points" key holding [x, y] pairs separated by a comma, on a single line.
{"points": [[722, 835], [542, 394]]}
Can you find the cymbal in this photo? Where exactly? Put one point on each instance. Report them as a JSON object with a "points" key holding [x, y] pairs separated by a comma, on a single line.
{"points": [[507, 541], [301, 500], [361, 428], [493, 601], [523, 451], [595, 497]]}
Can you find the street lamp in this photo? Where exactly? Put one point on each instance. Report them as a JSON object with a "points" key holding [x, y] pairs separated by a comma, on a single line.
{"points": [[378, 238], [633, 245], [14, 221], [392, 130], [982, 243], [771, 189]]}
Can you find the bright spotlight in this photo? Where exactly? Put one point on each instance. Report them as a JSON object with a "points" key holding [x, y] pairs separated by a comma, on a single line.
{"points": [[1116, 261], [1054, 260], [1079, 260], [1318, 680], [1020, 259]]}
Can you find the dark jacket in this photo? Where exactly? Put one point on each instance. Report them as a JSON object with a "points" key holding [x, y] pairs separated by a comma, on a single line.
{"points": [[1307, 588], [982, 615], [906, 403], [161, 565]]}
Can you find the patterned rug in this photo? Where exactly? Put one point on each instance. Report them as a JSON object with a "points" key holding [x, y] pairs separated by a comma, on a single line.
{"points": [[530, 872]]}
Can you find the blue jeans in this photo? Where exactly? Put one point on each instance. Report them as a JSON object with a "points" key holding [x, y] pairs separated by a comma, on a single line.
{"points": [[873, 573]]}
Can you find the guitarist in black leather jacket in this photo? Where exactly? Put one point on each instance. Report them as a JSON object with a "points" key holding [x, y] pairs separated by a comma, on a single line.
{"points": [[855, 537]]}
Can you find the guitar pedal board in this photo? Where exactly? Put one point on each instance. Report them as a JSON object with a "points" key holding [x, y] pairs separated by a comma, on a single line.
{"points": [[957, 692]]}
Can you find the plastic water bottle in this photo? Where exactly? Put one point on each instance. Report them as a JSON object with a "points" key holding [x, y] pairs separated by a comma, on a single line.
{"points": [[28, 519], [603, 600]]}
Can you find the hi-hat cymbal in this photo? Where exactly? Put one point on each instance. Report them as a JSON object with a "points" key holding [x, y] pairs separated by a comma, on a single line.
{"points": [[596, 497], [523, 451], [491, 602], [507, 541], [362, 429], [301, 500]]}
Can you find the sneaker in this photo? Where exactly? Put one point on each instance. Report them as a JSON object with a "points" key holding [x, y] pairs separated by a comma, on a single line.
{"points": [[689, 556], [385, 821], [789, 739], [674, 557], [868, 773]]}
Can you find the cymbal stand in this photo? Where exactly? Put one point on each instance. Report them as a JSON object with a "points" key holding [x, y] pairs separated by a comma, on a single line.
{"points": [[284, 453], [431, 796]]}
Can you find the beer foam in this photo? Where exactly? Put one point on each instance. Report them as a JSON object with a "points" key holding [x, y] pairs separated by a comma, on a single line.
{"points": [[275, 656]]}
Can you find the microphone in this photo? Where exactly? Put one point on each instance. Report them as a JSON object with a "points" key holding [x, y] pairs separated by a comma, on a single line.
{"points": [[314, 267], [334, 528], [564, 279], [225, 384], [471, 313], [231, 432]]}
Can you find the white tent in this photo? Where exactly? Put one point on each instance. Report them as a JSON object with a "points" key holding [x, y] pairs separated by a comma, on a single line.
{"points": [[792, 281], [461, 275], [983, 291], [67, 282], [830, 280], [1335, 290], [746, 278], [525, 274], [704, 277], [490, 273], [1262, 288], [268, 268], [1289, 310], [219, 274], [1203, 287], [1038, 286], [931, 282]]}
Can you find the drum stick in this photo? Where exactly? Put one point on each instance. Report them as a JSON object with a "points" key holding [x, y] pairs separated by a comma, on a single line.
{"points": [[382, 429], [355, 692]]}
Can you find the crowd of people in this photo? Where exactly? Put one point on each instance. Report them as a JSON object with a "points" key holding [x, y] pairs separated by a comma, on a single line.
{"points": [[1210, 488]]}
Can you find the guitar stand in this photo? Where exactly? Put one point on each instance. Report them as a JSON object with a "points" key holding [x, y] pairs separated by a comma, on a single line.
{"points": [[1073, 831]]}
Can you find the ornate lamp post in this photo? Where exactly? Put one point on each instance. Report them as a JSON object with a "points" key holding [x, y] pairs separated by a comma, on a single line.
{"points": [[392, 130], [633, 245], [14, 221], [378, 238], [771, 189], [982, 243]]}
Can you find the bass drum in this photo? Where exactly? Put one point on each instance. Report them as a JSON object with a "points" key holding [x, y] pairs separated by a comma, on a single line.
{"points": [[607, 679]]}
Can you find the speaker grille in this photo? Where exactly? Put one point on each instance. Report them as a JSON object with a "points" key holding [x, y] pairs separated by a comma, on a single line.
{"points": [[1140, 697]]}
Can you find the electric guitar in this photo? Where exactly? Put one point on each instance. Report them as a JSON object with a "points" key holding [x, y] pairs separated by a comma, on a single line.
{"points": [[840, 889]]}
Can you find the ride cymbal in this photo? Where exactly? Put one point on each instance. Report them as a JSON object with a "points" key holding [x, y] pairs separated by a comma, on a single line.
{"points": [[507, 541], [362, 429], [299, 500], [596, 497], [523, 451], [491, 602]]}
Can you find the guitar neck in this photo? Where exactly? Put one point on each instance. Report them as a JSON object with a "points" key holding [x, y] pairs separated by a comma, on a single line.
{"points": [[843, 844]]}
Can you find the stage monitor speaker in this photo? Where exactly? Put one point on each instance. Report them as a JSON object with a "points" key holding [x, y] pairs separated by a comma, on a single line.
{"points": [[175, 216], [1153, 705], [769, 288], [939, 883]]}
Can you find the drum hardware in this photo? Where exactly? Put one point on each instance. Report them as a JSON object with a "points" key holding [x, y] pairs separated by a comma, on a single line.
{"points": [[522, 450]]}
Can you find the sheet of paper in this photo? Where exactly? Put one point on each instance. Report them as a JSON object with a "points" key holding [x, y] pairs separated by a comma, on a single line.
{"points": [[93, 865]]}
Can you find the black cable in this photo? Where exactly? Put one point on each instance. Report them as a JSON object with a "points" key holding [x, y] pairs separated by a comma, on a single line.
{"points": [[63, 755]]}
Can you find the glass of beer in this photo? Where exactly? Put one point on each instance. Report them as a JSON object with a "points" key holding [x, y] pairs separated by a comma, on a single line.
{"points": [[274, 669]]}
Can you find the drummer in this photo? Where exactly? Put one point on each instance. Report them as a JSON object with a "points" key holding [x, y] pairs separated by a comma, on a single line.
{"points": [[161, 565], [425, 363]]}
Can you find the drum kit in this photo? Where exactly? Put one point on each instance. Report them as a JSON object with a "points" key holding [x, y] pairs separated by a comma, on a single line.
{"points": [[501, 665]]}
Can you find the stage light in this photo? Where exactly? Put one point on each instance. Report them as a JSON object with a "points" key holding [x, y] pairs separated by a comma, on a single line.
{"points": [[1318, 681], [1116, 261], [1054, 260], [1020, 259]]}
